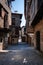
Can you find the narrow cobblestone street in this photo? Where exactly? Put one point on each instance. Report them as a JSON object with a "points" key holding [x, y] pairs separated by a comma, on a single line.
{"points": [[21, 55], [21, 32]]}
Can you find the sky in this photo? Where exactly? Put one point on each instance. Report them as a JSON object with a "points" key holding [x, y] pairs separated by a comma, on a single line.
{"points": [[18, 5]]}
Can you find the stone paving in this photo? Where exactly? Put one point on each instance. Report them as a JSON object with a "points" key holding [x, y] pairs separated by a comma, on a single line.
{"points": [[21, 55]]}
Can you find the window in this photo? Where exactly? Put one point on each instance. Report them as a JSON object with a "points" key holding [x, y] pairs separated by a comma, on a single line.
{"points": [[16, 31], [5, 20], [13, 21], [32, 9], [9, 3], [0, 39]]}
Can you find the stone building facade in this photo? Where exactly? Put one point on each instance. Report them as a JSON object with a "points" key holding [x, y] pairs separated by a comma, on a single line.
{"points": [[38, 27], [23, 35], [36, 22], [15, 27], [5, 21], [29, 29]]}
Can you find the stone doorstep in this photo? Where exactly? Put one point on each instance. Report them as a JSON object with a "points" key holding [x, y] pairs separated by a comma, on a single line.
{"points": [[3, 51], [40, 53]]}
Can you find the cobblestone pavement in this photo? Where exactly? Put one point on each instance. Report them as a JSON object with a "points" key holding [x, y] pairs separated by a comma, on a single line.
{"points": [[21, 55]]}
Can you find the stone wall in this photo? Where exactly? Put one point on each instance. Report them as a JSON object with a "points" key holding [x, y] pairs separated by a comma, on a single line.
{"points": [[4, 10], [39, 27], [7, 9]]}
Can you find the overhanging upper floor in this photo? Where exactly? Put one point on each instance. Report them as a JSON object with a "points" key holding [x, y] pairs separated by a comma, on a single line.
{"points": [[38, 16]]}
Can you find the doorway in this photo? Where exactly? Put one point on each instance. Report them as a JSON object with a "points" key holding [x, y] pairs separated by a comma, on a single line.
{"points": [[38, 40]]}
